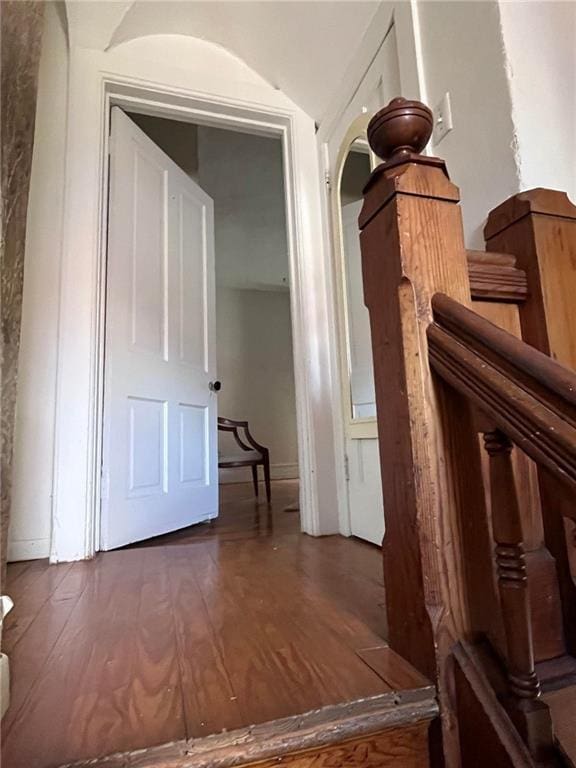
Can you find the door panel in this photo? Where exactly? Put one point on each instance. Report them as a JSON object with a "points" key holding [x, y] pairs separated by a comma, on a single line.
{"points": [[147, 446], [160, 446], [193, 430], [147, 284], [192, 280]]}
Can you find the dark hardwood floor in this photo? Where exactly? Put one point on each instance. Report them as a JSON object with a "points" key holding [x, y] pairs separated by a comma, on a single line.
{"points": [[221, 625]]}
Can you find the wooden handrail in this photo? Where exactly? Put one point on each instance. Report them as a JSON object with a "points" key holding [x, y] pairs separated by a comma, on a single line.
{"points": [[530, 400], [528, 396], [527, 360]]}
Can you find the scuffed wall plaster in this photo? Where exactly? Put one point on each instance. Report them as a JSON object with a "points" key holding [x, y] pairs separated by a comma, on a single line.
{"points": [[21, 30]]}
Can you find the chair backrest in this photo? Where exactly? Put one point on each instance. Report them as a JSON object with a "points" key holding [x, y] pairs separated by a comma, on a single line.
{"points": [[245, 440]]}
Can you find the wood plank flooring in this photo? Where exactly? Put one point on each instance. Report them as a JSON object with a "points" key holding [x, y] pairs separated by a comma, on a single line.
{"points": [[215, 627]]}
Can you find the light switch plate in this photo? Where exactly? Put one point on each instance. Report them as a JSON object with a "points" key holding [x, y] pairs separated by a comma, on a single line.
{"points": [[442, 119]]}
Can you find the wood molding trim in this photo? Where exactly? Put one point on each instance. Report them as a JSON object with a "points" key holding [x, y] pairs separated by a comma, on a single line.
{"points": [[495, 277], [319, 730]]}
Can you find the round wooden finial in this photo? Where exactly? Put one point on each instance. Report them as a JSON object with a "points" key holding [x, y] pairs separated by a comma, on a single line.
{"points": [[402, 128]]}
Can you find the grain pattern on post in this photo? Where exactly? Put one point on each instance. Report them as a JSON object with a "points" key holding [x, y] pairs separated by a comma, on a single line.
{"points": [[412, 247]]}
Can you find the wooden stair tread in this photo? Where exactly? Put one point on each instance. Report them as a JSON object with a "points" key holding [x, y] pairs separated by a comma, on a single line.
{"points": [[562, 703], [557, 673], [396, 672], [297, 740]]}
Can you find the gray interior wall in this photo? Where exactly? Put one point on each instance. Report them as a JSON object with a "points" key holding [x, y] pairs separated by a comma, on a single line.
{"points": [[256, 369], [243, 174], [178, 140]]}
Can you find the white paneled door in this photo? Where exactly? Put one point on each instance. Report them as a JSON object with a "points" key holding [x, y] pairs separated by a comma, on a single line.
{"points": [[159, 470]]}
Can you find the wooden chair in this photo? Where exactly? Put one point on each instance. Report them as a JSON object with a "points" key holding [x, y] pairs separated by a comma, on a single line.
{"points": [[254, 453]]}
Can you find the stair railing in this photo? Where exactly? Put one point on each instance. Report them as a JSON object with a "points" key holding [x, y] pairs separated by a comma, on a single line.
{"points": [[443, 374], [527, 400]]}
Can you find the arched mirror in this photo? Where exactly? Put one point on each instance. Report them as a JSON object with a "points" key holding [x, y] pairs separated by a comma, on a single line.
{"points": [[354, 164], [355, 173], [355, 325]]}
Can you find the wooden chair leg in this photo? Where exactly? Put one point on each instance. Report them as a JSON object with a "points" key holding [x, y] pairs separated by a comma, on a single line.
{"points": [[267, 479], [255, 478]]}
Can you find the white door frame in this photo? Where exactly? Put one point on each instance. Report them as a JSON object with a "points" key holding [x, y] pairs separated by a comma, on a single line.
{"points": [[97, 82]]}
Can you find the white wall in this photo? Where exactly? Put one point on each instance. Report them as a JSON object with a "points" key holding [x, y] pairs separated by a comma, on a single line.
{"points": [[300, 48], [462, 52], [255, 365], [540, 42], [30, 525], [510, 68], [243, 174]]}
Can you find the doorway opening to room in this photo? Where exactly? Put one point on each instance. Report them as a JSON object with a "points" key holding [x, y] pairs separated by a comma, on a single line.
{"points": [[199, 418]]}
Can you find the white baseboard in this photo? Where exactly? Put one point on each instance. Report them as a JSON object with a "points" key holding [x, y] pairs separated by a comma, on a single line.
{"points": [[244, 474], [28, 549]]}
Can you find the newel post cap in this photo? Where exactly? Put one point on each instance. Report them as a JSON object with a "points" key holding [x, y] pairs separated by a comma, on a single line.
{"points": [[398, 134], [402, 128]]}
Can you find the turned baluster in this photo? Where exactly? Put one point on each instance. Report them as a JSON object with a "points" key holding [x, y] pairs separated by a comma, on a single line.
{"points": [[530, 715]]}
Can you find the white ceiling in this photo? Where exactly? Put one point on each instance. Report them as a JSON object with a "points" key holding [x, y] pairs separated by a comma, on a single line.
{"points": [[302, 48]]}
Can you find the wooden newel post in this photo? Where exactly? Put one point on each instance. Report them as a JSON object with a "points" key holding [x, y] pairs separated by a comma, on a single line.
{"points": [[539, 228], [412, 247]]}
